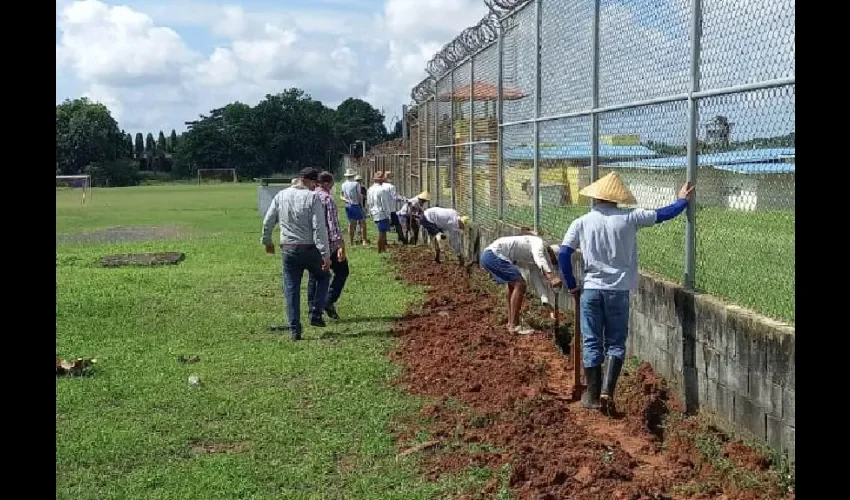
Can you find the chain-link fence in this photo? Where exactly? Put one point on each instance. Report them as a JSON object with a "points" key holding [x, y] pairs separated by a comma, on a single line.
{"points": [[542, 97]]}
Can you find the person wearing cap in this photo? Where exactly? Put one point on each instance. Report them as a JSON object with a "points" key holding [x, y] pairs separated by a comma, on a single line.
{"points": [[351, 195], [394, 219], [503, 259], [304, 245], [409, 213], [440, 222], [607, 237], [380, 203], [339, 264]]}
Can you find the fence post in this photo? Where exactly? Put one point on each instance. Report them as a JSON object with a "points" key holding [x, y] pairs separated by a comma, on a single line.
{"points": [[693, 128], [471, 149], [452, 139], [538, 6], [437, 144], [499, 120], [418, 146], [594, 89]]}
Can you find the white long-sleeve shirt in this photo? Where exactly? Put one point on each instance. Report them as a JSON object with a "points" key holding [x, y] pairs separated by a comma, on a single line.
{"points": [[380, 202], [301, 216], [524, 251]]}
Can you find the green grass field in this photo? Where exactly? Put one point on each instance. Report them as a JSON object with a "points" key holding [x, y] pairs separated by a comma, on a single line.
{"points": [[273, 418], [745, 258]]}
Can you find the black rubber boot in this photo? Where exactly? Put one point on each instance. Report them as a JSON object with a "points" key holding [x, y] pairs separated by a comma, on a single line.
{"points": [[590, 398], [612, 373]]}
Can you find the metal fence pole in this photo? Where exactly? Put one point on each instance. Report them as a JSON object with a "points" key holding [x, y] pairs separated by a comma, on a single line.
{"points": [[594, 89], [470, 124], [693, 129], [501, 165], [452, 139], [418, 146], [436, 143], [538, 18]]}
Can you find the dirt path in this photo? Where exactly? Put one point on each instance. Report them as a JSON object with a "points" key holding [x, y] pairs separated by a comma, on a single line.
{"points": [[503, 399]]}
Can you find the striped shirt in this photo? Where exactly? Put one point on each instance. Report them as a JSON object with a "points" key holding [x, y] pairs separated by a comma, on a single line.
{"points": [[332, 215]]}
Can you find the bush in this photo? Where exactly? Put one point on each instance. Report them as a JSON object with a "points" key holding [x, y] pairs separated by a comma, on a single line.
{"points": [[114, 173]]}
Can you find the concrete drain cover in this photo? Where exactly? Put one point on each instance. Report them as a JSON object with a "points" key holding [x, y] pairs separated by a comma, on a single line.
{"points": [[142, 259]]}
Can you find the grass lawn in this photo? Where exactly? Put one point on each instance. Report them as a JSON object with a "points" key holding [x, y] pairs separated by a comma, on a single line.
{"points": [[745, 258], [273, 418]]}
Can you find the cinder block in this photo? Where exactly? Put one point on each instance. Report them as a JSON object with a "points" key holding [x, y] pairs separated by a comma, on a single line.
{"points": [[775, 433], [711, 364], [725, 402], [780, 357], [738, 334], [788, 408], [758, 352], [788, 443], [765, 393], [750, 417]]}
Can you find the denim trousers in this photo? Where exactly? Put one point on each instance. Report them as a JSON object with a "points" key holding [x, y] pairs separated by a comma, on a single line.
{"points": [[340, 272], [604, 325], [296, 260]]}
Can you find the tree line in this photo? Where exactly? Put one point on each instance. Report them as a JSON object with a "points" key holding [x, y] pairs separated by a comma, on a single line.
{"points": [[281, 134]]}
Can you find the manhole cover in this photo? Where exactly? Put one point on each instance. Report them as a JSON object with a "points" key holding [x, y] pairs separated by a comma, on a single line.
{"points": [[142, 259]]}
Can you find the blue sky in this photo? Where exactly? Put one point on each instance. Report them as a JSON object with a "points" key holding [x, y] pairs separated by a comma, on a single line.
{"points": [[159, 63]]}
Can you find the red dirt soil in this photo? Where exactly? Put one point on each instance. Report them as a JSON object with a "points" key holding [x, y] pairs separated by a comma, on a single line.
{"points": [[510, 396]]}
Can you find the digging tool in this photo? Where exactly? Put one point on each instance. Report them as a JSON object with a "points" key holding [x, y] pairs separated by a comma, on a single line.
{"points": [[576, 347]]}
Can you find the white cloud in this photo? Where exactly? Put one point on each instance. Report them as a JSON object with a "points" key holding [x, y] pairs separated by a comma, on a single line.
{"points": [[158, 63]]}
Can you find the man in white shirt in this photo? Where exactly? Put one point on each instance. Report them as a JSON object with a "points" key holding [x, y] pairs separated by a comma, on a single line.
{"points": [[442, 222], [394, 220], [410, 213], [351, 195], [503, 258], [380, 203]]}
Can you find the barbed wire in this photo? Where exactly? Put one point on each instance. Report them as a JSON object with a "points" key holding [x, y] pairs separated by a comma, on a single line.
{"points": [[503, 7]]}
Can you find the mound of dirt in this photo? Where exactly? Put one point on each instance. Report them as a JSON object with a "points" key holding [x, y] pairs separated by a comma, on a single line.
{"points": [[505, 399]]}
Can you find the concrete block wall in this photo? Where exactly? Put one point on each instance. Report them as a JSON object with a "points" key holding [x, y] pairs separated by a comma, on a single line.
{"points": [[726, 361]]}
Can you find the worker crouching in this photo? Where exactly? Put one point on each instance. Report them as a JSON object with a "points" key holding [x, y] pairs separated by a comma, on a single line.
{"points": [[503, 259]]}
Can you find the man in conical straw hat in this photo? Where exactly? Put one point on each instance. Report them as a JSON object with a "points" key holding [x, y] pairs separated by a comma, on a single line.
{"points": [[352, 196], [607, 237], [394, 220], [409, 214]]}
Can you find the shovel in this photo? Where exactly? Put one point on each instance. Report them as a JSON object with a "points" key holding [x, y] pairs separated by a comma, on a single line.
{"points": [[576, 347]]}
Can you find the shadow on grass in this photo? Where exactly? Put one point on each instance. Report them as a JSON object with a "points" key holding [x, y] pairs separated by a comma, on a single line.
{"points": [[359, 319], [353, 335]]}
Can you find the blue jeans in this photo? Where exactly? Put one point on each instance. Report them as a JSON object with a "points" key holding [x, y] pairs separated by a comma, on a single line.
{"points": [[604, 323], [296, 260], [340, 271]]}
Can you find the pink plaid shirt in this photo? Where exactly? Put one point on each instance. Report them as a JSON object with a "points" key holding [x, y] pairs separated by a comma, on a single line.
{"points": [[332, 216]]}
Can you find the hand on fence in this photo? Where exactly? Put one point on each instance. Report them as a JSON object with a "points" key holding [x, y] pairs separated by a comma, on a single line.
{"points": [[687, 191]]}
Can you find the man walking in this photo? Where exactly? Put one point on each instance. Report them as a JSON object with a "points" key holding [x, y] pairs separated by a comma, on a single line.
{"points": [[503, 259], [339, 264], [438, 222], [394, 220], [380, 202], [304, 245], [351, 195], [607, 236]]}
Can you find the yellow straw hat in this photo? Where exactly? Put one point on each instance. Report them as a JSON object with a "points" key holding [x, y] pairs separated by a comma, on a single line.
{"points": [[609, 188], [424, 195]]}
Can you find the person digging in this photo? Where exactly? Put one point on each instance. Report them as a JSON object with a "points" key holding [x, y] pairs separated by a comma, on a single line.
{"points": [[607, 237], [441, 223], [410, 213], [502, 260]]}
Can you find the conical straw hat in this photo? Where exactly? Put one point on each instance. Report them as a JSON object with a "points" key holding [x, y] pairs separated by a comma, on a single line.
{"points": [[424, 195], [609, 188]]}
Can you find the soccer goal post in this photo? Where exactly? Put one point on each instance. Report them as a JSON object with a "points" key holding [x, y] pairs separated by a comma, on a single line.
{"points": [[216, 175], [81, 182]]}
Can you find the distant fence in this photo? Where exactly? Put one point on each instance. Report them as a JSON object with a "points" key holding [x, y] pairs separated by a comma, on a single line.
{"points": [[542, 97]]}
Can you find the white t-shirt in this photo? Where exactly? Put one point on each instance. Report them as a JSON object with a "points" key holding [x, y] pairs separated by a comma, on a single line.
{"points": [[380, 202], [607, 236], [447, 219], [351, 190], [524, 251], [412, 203]]}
